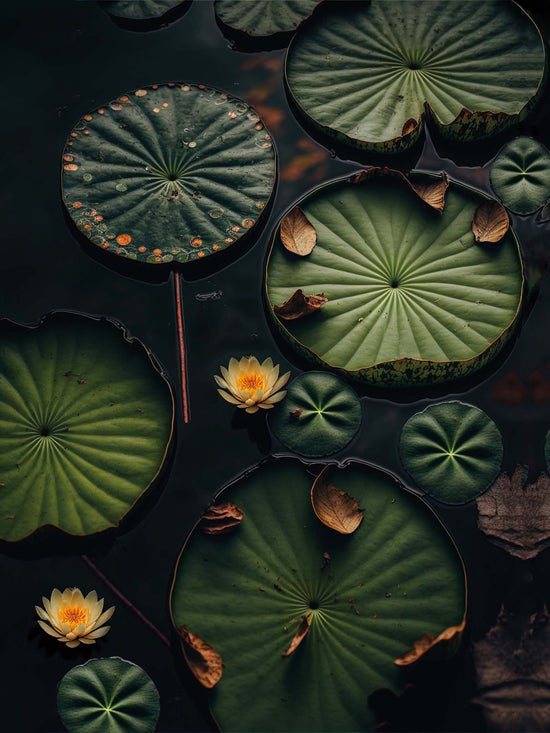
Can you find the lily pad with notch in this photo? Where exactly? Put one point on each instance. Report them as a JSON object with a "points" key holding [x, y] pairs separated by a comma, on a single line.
{"points": [[520, 175], [86, 420], [366, 597]]}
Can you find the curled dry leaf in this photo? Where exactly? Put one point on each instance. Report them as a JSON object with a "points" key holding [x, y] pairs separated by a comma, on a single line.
{"points": [[299, 305], [299, 636], [335, 508], [409, 126], [221, 518], [202, 659], [297, 233], [514, 517], [431, 191], [490, 222], [441, 647]]}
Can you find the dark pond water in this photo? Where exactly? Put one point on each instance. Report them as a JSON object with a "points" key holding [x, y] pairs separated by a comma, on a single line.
{"points": [[63, 59]]}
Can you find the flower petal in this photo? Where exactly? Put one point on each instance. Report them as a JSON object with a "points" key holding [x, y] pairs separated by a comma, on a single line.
{"points": [[251, 410], [267, 364], [105, 616], [281, 382], [225, 374], [43, 615], [91, 599], [95, 614], [277, 397], [229, 398], [47, 629], [98, 633], [220, 382], [55, 602], [77, 598], [72, 644], [47, 605], [265, 405], [86, 640]]}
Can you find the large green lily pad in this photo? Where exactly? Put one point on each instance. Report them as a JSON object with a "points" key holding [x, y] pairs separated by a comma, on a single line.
{"points": [[140, 9], [264, 17], [109, 695], [370, 596], [168, 172], [371, 75], [412, 299], [86, 417], [452, 450], [520, 175]]}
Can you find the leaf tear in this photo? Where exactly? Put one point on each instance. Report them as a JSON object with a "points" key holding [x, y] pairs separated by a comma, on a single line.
{"points": [[299, 636], [298, 235], [202, 659], [299, 305], [221, 518], [490, 222], [443, 645], [335, 508]]}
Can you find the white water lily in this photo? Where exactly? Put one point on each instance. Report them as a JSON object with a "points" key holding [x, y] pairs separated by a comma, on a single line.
{"points": [[251, 385], [73, 619]]}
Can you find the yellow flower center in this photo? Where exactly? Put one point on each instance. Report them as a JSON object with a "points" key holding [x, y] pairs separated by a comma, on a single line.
{"points": [[74, 616], [251, 383]]}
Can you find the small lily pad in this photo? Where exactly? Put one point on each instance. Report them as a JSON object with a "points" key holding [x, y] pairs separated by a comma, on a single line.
{"points": [[171, 172], [108, 695], [319, 415], [520, 175], [452, 450], [264, 17], [86, 418], [140, 9]]}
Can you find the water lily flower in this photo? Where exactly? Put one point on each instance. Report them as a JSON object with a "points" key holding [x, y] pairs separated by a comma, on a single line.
{"points": [[73, 619], [251, 385]]}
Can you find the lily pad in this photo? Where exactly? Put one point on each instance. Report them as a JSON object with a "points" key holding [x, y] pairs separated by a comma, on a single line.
{"points": [[86, 418], [411, 299], [372, 74], [452, 450], [319, 415], [109, 695], [140, 9], [168, 172], [369, 596], [520, 175], [264, 17]]}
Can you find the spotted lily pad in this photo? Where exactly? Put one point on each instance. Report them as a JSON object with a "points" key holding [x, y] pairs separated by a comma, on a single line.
{"points": [[264, 17], [140, 9], [86, 418], [168, 172], [411, 298], [452, 450], [372, 74], [109, 695], [520, 175], [369, 596], [319, 415]]}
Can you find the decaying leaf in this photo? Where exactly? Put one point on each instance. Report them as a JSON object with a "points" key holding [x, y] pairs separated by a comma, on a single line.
{"points": [[432, 192], [335, 508], [221, 518], [297, 233], [409, 126], [490, 222], [299, 305], [202, 659], [440, 647], [517, 517], [300, 635], [513, 671]]}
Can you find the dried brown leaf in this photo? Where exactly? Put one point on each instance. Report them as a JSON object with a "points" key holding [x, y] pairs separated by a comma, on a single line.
{"points": [[299, 305], [490, 222], [409, 126], [297, 233], [335, 508], [221, 518], [202, 659], [432, 192], [517, 517], [445, 644], [299, 636]]}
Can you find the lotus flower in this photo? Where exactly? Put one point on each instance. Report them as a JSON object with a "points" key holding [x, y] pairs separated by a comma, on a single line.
{"points": [[251, 385], [71, 618]]}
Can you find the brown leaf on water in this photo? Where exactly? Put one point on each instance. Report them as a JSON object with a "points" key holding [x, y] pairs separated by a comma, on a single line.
{"points": [[221, 518], [432, 192], [298, 235], [490, 222], [299, 636], [202, 659], [299, 305], [335, 508], [440, 647], [516, 517]]}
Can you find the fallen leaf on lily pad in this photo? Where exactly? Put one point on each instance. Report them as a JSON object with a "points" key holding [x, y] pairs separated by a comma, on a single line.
{"points": [[300, 635], [490, 222], [432, 192], [221, 518], [335, 508], [201, 658], [515, 517], [440, 647], [299, 305], [297, 233]]}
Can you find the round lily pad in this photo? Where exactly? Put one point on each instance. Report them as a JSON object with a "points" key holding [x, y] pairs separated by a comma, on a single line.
{"points": [[319, 415], [412, 298], [452, 450], [168, 172], [368, 597], [109, 695], [140, 9], [371, 74], [86, 418], [264, 17], [520, 175]]}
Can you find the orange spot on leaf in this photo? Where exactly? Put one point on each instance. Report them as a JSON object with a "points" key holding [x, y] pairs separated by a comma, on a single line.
{"points": [[124, 239], [71, 167]]}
